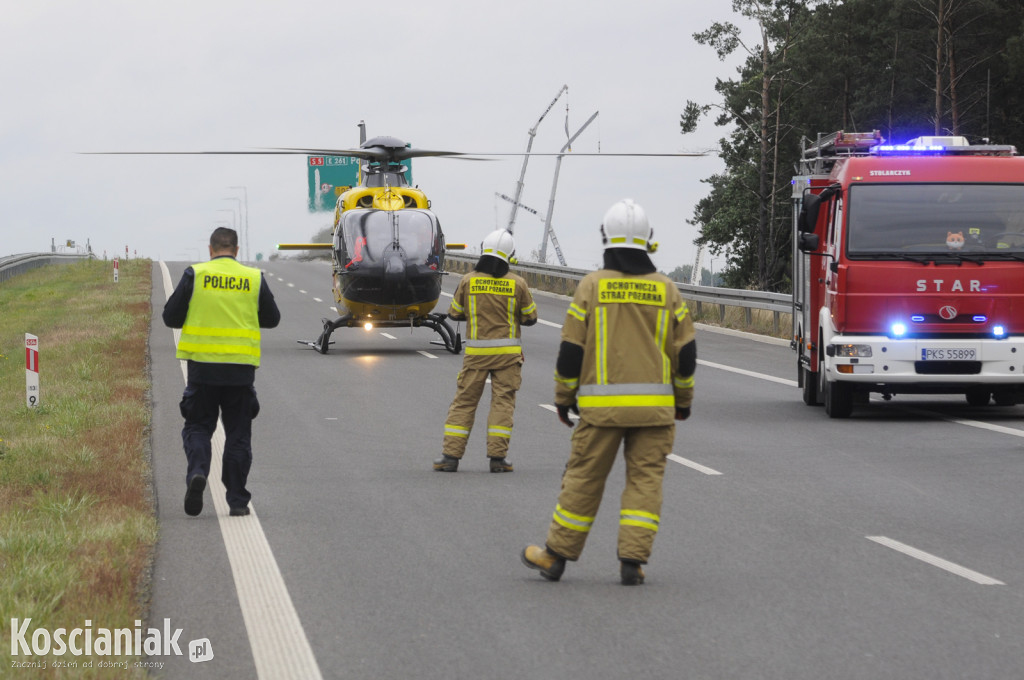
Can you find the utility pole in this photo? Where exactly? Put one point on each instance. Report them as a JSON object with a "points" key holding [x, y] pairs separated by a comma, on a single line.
{"points": [[526, 159]]}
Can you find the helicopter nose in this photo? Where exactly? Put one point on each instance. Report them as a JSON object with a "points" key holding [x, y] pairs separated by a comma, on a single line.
{"points": [[394, 269]]}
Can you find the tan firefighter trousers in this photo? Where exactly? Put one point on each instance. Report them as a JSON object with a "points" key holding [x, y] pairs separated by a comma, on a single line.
{"points": [[593, 453], [469, 388]]}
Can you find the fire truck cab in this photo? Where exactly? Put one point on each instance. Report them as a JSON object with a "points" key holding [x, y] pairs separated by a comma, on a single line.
{"points": [[908, 270]]}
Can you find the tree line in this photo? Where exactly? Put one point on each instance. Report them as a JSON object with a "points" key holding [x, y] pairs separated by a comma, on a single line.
{"points": [[905, 67]]}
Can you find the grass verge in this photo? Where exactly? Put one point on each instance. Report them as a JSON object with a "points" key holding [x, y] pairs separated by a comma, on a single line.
{"points": [[77, 527]]}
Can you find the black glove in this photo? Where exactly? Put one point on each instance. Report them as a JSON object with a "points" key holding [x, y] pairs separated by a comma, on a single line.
{"points": [[563, 412], [682, 413]]}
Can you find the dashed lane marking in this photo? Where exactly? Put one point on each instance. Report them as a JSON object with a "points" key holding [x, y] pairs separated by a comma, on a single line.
{"points": [[928, 558], [278, 641], [426, 354], [673, 457]]}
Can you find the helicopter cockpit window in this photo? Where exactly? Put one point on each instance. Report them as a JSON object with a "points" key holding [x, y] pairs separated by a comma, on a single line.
{"points": [[368, 235], [392, 176]]}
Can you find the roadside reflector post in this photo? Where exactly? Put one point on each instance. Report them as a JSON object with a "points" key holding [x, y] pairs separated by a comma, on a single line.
{"points": [[115, 270], [31, 370]]}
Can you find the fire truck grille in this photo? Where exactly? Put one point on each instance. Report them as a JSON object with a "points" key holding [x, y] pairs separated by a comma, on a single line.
{"points": [[947, 367]]}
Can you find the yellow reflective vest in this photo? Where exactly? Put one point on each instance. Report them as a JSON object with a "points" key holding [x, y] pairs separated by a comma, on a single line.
{"points": [[222, 325], [631, 328], [494, 309]]}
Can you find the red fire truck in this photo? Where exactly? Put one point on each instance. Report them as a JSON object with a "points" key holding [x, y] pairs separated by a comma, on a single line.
{"points": [[908, 271]]}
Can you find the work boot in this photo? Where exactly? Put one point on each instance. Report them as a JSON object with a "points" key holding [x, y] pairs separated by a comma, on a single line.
{"points": [[550, 566], [194, 495], [632, 573], [446, 463], [500, 465]]}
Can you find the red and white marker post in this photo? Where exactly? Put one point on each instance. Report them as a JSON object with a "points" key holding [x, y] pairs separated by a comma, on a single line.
{"points": [[115, 270], [31, 370]]}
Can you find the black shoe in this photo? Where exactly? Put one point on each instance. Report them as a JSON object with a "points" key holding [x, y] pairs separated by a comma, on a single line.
{"points": [[240, 512], [194, 495], [550, 566], [500, 465], [632, 573], [446, 463]]}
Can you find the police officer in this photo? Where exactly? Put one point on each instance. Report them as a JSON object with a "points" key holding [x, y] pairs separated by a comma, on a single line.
{"points": [[220, 307], [625, 365], [495, 304]]}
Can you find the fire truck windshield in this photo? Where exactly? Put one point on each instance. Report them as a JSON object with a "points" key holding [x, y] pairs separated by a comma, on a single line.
{"points": [[976, 220]]}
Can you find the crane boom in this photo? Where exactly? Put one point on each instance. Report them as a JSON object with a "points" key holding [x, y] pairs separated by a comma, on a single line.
{"points": [[526, 159]]}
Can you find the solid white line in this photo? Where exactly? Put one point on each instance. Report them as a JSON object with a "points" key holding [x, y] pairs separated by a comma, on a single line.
{"points": [[936, 561], [446, 294], [551, 407], [426, 354], [278, 641], [549, 323], [690, 464], [752, 374], [992, 427]]}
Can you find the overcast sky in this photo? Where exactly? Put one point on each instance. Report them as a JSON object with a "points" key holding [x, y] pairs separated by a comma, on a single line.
{"points": [[471, 76]]}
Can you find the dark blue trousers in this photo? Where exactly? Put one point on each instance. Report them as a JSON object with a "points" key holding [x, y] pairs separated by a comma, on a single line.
{"points": [[236, 405]]}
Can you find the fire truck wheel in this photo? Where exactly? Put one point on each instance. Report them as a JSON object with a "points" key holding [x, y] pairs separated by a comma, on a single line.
{"points": [[838, 400], [978, 397]]}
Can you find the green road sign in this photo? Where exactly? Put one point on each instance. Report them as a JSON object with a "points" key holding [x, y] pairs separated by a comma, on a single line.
{"points": [[327, 177]]}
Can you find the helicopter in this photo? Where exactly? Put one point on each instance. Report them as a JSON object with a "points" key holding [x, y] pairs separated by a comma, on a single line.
{"points": [[387, 249]]}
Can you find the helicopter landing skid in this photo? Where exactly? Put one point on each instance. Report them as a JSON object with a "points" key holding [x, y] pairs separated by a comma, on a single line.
{"points": [[323, 343], [451, 340]]}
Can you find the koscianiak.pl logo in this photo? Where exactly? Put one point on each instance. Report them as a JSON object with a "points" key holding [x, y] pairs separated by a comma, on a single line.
{"points": [[28, 644]]}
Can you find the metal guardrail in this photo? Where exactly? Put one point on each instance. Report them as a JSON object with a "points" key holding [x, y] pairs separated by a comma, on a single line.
{"points": [[777, 303], [12, 265]]}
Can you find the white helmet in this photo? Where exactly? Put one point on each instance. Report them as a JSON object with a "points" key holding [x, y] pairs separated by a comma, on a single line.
{"points": [[625, 226], [500, 244]]}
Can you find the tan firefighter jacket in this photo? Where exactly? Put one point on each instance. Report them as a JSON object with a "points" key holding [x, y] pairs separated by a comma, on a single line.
{"points": [[631, 328], [494, 308]]}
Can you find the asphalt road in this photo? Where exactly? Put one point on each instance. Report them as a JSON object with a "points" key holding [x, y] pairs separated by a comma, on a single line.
{"points": [[792, 546]]}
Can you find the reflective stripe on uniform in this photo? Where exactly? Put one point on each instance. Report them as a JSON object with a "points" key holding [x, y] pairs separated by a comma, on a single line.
{"points": [[639, 518], [577, 312], [530, 308], [626, 394], [662, 339], [456, 307], [682, 312], [571, 383], [455, 431], [572, 521], [682, 383], [601, 345], [498, 431]]}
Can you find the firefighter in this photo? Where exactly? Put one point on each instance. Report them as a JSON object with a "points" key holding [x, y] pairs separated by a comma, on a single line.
{"points": [[625, 366], [495, 304]]}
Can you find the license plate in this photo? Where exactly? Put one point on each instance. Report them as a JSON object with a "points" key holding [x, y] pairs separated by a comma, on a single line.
{"points": [[949, 354]]}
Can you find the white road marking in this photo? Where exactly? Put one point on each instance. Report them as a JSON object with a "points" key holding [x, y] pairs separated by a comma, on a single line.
{"points": [[691, 464], [278, 641], [302, 291], [446, 294], [752, 374], [335, 310], [330, 418], [426, 354], [549, 323], [389, 336], [992, 427], [317, 300], [936, 561], [551, 407], [291, 285]]}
